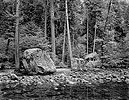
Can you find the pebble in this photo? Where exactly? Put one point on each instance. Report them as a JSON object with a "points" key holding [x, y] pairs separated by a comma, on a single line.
{"points": [[64, 78]]}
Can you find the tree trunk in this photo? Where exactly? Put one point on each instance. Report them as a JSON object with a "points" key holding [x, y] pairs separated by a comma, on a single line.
{"points": [[7, 48], [52, 30], [45, 18], [17, 36], [87, 28], [73, 41], [94, 38], [69, 40], [102, 49], [63, 52]]}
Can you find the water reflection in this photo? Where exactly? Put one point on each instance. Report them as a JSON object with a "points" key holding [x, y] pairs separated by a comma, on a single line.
{"points": [[108, 91]]}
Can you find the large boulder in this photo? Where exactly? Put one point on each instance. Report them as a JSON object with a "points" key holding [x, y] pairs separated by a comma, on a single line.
{"points": [[38, 61], [93, 64], [92, 60], [91, 56], [77, 63]]}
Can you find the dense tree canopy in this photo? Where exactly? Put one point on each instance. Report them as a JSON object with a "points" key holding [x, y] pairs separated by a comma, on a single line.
{"points": [[108, 19]]}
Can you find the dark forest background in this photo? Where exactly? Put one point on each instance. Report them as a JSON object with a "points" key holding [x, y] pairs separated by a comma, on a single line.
{"points": [[44, 23]]}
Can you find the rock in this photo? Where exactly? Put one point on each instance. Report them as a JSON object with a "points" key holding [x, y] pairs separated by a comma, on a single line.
{"points": [[92, 64], [38, 61], [93, 60], [62, 65], [91, 55], [76, 63], [13, 77]]}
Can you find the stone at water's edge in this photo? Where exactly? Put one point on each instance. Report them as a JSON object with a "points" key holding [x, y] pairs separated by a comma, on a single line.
{"points": [[38, 61], [74, 64], [77, 63]]}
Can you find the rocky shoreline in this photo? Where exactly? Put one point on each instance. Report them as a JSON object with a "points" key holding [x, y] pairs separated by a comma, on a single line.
{"points": [[89, 77]]}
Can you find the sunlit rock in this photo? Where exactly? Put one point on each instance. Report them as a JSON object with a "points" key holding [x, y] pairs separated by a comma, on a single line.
{"points": [[38, 61]]}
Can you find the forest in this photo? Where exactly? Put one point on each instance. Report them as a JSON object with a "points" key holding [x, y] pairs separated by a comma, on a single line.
{"points": [[65, 42]]}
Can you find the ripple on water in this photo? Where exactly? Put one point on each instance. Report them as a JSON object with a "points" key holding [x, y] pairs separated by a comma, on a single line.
{"points": [[112, 91]]}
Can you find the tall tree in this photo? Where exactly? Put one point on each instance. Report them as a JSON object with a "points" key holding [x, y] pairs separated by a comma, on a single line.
{"points": [[46, 2], [17, 35], [109, 7], [52, 29], [94, 38], [63, 52], [87, 31], [68, 32], [105, 25]]}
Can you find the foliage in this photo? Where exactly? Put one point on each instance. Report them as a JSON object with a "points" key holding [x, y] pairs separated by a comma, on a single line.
{"points": [[32, 23], [34, 42]]}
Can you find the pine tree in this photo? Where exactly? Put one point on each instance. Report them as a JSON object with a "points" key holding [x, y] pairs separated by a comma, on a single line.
{"points": [[52, 29], [46, 2], [68, 32], [17, 36], [63, 51]]}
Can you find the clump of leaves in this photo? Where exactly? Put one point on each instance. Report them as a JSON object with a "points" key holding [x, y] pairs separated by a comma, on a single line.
{"points": [[34, 42]]}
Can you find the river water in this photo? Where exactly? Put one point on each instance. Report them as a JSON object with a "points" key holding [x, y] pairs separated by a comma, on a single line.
{"points": [[108, 91]]}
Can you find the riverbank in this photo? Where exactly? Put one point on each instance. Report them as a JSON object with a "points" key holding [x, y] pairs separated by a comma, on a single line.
{"points": [[93, 84], [89, 77]]}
